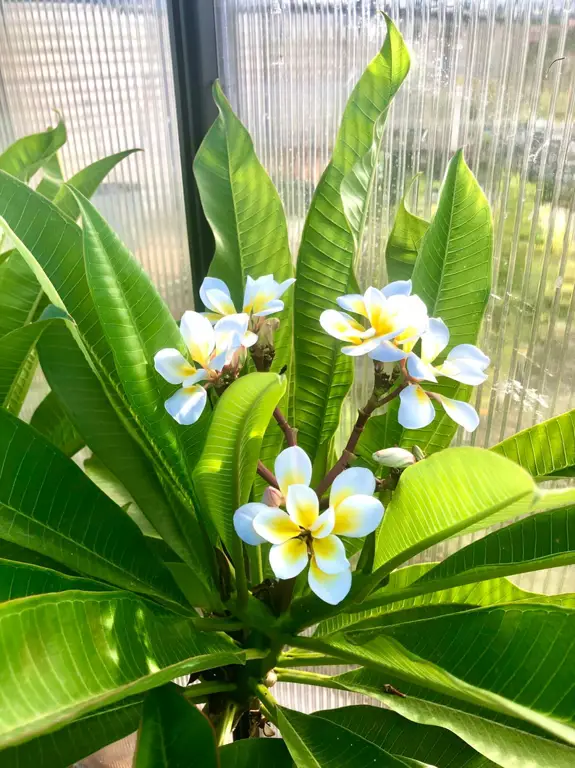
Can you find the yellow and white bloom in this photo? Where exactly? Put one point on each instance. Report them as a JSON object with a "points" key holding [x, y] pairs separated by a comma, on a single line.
{"points": [[396, 321], [210, 348], [302, 534], [261, 297], [465, 363], [416, 409]]}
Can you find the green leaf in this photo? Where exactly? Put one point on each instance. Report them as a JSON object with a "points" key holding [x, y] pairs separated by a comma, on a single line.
{"points": [[227, 467], [51, 419], [93, 416], [52, 178], [397, 608], [453, 276], [472, 489], [403, 738], [316, 742], [22, 580], [545, 449], [78, 739], [16, 553], [404, 241], [27, 155], [504, 745], [174, 732], [63, 658], [18, 361], [498, 657], [255, 753], [87, 182], [326, 256], [545, 540], [48, 504], [20, 294]]}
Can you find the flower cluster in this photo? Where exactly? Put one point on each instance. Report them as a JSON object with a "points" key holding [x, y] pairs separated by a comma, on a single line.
{"points": [[396, 321], [215, 341], [302, 534]]}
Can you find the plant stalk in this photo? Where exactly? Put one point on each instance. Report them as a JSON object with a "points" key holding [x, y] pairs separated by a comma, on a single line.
{"points": [[225, 724], [307, 678], [201, 691], [289, 432], [267, 475]]}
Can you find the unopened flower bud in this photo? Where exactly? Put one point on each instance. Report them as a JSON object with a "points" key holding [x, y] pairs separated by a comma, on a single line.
{"points": [[398, 458], [272, 497]]}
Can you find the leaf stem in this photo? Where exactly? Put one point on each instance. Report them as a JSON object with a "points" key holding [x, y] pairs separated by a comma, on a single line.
{"points": [[289, 432], [267, 475], [268, 704], [288, 660], [202, 690], [225, 724], [307, 678]]}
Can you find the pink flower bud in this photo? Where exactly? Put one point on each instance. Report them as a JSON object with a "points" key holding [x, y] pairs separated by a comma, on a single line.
{"points": [[272, 497]]}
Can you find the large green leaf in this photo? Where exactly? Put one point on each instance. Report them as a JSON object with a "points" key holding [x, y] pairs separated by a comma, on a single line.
{"points": [[512, 659], [460, 489], [27, 155], [248, 220], [174, 733], [65, 657], [18, 554], [453, 276], [395, 608], [22, 580], [85, 402], [544, 540], [227, 467], [77, 739], [51, 419], [316, 742], [18, 361], [87, 182], [48, 504], [327, 251], [404, 242], [504, 745], [545, 449], [255, 753], [20, 294], [403, 738]]}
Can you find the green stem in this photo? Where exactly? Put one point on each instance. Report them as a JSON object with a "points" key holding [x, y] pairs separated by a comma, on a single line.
{"points": [[308, 678], [306, 660], [225, 724], [240, 570], [268, 704], [218, 625], [256, 565], [203, 690], [312, 644]]}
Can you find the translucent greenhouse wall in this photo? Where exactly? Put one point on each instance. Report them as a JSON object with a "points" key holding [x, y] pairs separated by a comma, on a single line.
{"points": [[105, 66], [497, 78]]}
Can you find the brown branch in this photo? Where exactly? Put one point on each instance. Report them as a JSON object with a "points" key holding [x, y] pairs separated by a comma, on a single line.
{"points": [[360, 423], [267, 475], [289, 432]]}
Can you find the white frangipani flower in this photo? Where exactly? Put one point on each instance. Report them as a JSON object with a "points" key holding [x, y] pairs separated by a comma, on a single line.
{"points": [[261, 297], [465, 363], [396, 318], [209, 347], [302, 534]]}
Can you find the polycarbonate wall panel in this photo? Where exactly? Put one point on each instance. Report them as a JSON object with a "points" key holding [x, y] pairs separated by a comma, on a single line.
{"points": [[497, 78], [105, 66]]}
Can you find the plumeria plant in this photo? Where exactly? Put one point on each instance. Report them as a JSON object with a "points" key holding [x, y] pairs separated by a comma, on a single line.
{"points": [[220, 531]]}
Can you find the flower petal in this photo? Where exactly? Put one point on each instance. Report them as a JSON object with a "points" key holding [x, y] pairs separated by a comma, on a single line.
{"points": [[470, 353], [195, 378], [292, 467], [173, 366], [351, 482], [270, 307], [244, 522], [416, 409], [211, 284], [363, 348], [249, 339], [275, 525], [416, 321], [357, 516], [283, 286], [353, 302], [229, 332], [329, 554], [187, 404], [323, 526], [388, 316], [331, 588], [302, 505], [289, 559], [387, 352], [341, 326], [418, 369], [199, 336], [434, 340], [461, 413], [260, 293], [465, 363], [397, 288]]}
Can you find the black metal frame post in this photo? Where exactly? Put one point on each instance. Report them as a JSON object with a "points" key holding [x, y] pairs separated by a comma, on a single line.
{"points": [[194, 55]]}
